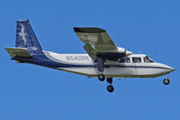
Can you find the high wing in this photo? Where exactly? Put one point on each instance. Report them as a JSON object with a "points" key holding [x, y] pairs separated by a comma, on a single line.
{"points": [[97, 37], [99, 44]]}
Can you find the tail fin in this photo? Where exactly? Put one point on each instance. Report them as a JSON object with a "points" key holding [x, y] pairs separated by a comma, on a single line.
{"points": [[25, 38]]}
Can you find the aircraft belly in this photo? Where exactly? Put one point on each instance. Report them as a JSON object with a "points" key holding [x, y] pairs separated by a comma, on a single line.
{"points": [[93, 72], [87, 71], [118, 71]]}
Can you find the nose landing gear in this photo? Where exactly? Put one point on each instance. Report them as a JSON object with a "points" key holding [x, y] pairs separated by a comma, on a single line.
{"points": [[166, 81]]}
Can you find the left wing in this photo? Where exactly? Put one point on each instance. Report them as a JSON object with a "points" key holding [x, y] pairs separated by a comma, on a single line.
{"points": [[99, 44], [97, 37]]}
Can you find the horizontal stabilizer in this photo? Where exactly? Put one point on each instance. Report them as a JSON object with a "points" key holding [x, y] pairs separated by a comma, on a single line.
{"points": [[18, 52]]}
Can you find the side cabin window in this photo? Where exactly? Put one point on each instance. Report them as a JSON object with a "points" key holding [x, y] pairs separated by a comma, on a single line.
{"points": [[137, 60], [125, 60], [148, 60]]}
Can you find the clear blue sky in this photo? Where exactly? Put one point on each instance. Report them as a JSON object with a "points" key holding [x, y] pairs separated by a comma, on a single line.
{"points": [[29, 92]]}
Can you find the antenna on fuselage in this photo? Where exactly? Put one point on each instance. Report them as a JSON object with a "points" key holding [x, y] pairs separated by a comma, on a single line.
{"points": [[139, 51], [128, 48]]}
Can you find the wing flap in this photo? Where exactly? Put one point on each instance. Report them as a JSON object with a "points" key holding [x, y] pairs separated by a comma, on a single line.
{"points": [[18, 52], [90, 50]]}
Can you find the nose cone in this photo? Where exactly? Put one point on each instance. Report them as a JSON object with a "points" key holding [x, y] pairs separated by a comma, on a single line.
{"points": [[170, 69], [128, 53], [162, 69]]}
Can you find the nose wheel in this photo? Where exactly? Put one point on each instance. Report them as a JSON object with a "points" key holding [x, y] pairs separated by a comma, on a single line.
{"points": [[166, 81]]}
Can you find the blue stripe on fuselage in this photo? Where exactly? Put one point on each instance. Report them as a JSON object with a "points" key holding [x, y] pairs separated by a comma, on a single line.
{"points": [[42, 60], [46, 62]]}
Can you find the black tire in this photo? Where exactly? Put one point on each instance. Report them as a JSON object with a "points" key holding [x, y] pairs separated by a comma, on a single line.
{"points": [[110, 88], [166, 81], [101, 77]]}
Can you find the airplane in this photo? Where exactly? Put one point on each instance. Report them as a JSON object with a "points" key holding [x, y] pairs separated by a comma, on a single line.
{"points": [[103, 59]]}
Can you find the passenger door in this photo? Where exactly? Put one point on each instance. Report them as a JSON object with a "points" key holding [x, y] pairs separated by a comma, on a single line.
{"points": [[129, 66], [138, 63]]}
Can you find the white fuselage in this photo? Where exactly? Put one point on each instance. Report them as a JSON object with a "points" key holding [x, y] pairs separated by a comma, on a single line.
{"points": [[82, 64]]}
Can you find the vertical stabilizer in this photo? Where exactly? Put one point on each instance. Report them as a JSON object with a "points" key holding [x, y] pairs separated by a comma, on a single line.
{"points": [[25, 38]]}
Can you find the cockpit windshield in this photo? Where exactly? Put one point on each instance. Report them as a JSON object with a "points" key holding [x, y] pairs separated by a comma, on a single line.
{"points": [[148, 60]]}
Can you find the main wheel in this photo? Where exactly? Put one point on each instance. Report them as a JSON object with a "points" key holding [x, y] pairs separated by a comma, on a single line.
{"points": [[110, 88], [166, 81], [101, 77]]}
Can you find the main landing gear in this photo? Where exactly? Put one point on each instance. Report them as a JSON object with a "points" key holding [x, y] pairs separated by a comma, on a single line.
{"points": [[166, 81], [100, 67], [101, 77], [110, 88]]}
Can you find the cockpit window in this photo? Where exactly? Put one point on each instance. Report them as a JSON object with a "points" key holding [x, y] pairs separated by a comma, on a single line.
{"points": [[148, 60], [137, 59], [125, 60]]}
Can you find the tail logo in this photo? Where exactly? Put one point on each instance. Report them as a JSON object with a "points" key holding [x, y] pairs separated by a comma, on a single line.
{"points": [[22, 34]]}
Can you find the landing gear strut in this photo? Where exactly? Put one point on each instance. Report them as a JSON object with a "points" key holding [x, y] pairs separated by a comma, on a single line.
{"points": [[101, 77], [166, 81], [100, 66], [110, 88]]}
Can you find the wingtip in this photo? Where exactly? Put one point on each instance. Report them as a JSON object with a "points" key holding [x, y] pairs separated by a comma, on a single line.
{"points": [[88, 29], [76, 29]]}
